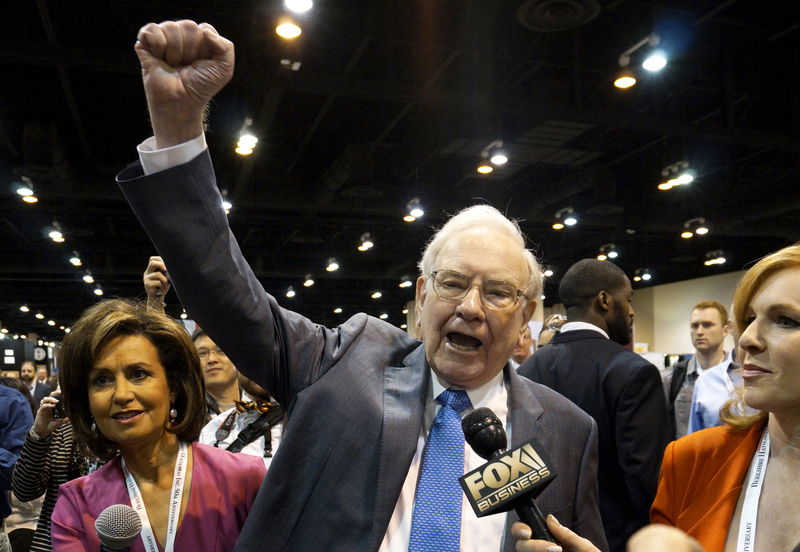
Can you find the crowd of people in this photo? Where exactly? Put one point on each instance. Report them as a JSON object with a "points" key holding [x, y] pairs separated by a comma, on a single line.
{"points": [[266, 431]]}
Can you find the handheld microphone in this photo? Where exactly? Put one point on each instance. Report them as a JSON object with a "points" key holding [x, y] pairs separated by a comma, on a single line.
{"points": [[511, 479], [117, 527]]}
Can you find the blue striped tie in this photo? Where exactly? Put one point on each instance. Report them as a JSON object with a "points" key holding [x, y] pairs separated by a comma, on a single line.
{"points": [[436, 523]]}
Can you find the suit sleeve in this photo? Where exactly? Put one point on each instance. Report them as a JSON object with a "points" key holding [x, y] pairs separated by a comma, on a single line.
{"points": [[642, 432], [181, 210], [663, 509], [587, 510]]}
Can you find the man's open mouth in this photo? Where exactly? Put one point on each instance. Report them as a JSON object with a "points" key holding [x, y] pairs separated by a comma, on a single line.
{"points": [[462, 342]]}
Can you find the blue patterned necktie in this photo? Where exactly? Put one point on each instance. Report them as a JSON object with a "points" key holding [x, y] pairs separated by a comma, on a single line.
{"points": [[436, 523]]}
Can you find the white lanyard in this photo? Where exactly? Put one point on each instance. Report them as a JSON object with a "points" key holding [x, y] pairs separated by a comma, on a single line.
{"points": [[176, 494], [755, 478]]}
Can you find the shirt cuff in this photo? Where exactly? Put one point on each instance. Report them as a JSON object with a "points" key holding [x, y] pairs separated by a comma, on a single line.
{"points": [[156, 160]]}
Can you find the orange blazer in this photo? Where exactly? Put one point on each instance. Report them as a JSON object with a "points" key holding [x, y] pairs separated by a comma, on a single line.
{"points": [[701, 477]]}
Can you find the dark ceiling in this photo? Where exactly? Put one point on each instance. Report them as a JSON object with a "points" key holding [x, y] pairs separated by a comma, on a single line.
{"points": [[396, 100]]}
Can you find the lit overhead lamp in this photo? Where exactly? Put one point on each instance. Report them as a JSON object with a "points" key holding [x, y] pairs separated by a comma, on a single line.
{"points": [[642, 274], [290, 292], [384, 316], [333, 266], [4, 330], [88, 278], [607, 251], [655, 61], [405, 282], [716, 257], [75, 260], [694, 226], [67, 330], [247, 140], [56, 234], [625, 78], [309, 281], [405, 311], [227, 205], [565, 217], [414, 210], [677, 174], [288, 29], [484, 168], [184, 316], [403, 326], [376, 295], [51, 322], [495, 153], [365, 242], [298, 6], [25, 191], [39, 316], [548, 272], [98, 290], [61, 327], [337, 310], [25, 308]]}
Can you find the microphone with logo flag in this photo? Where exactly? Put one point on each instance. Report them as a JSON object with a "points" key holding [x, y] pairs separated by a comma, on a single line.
{"points": [[511, 479], [117, 527]]}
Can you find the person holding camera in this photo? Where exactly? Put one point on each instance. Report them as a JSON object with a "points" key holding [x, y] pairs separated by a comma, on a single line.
{"points": [[49, 457]]}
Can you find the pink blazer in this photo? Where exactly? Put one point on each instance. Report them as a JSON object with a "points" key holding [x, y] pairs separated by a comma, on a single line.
{"points": [[223, 488]]}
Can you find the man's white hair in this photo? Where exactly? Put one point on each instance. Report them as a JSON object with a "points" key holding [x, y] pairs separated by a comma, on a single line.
{"points": [[484, 216]]}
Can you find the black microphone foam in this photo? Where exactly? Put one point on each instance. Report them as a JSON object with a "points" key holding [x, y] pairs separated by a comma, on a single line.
{"points": [[514, 477], [118, 527]]}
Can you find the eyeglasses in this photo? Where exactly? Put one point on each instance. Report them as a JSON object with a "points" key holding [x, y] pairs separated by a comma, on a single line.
{"points": [[205, 353], [454, 286]]}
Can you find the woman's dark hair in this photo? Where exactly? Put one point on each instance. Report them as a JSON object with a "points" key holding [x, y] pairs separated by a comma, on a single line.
{"points": [[105, 321], [18, 384]]}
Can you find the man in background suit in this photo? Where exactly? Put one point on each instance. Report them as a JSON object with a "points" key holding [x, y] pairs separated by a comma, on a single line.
{"points": [[38, 389], [362, 397], [587, 363]]}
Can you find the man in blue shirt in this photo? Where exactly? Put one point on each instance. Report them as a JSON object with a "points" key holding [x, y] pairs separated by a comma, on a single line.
{"points": [[15, 421]]}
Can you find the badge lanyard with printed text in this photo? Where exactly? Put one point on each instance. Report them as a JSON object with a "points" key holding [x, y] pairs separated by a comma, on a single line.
{"points": [[175, 497], [755, 478]]}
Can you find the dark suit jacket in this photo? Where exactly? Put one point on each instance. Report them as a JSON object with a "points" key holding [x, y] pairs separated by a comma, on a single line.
{"points": [[624, 394], [40, 391], [701, 481], [355, 394]]}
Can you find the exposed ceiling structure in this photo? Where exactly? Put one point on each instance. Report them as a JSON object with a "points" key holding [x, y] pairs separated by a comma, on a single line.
{"points": [[394, 101]]}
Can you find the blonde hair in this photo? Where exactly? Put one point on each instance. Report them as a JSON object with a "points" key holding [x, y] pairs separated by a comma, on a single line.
{"points": [[751, 282], [484, 216]]}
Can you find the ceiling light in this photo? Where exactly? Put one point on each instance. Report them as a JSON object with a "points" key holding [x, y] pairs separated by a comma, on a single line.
{"points": [[694, 226], [716, 257], [409, 218], [88, 278], [39, 315], [61, 327], [75, 260], [625, 78], [608, 251], [406, 283], [403, 326], [227, 205], [25, 308], [4, 330], [243, 151], [642, 274], [677, 174], [548, 272], [337, 310], [67, 330], [25, 190], [414, 209], [288, 30], [98, 291], [655, 61], [290, 292], [383, 316], [376, 295], [184, 316], [686, 234], [484, 168], [30, 199], [309, 281], [248, 140], [56, 236], [405, 311], [365, 242], [565, 217], [51, 322], [298, 6], [499, 158], [332, 265]]}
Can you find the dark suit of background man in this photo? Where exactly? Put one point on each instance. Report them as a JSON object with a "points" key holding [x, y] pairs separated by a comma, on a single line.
{"points": [[587, 363], [361, 397], [38, 389]]}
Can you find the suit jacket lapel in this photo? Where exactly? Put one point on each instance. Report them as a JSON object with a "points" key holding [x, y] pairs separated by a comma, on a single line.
{"points": [[405, 392]]}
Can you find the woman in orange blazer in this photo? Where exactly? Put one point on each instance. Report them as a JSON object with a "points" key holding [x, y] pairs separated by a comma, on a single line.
{"points": [[735, 487]]}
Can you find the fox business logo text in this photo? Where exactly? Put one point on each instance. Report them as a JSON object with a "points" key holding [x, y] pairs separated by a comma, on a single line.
{"points": [[498, 482]]}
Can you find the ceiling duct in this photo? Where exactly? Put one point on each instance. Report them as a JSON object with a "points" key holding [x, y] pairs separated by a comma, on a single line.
{"points": [[351, 161], [557, 15]]}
